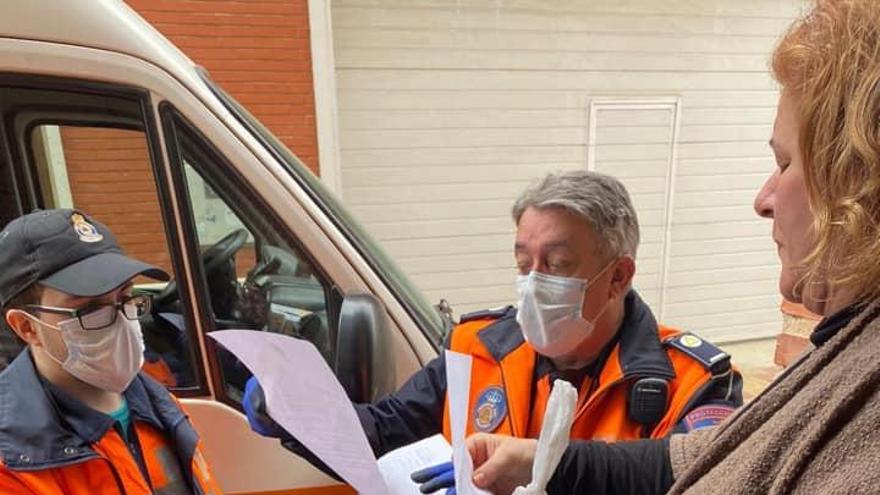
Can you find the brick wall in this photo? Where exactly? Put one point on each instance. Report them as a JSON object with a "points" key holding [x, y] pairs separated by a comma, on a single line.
{"points": [[797, 324], [258, 50], [111, 179]]}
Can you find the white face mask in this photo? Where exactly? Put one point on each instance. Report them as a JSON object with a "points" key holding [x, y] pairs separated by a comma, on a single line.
{"points": [[108, 358], [550, 312]]}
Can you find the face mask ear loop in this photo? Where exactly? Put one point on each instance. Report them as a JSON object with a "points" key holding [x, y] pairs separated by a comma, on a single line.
{"points": [[602, 272], [601, 312], [42, 324], [590, 284]]}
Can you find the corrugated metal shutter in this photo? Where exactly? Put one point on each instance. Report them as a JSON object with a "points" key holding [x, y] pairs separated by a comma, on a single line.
{"points": [[448, 109]]}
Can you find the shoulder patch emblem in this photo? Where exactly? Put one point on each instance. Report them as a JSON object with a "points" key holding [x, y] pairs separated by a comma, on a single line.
{"points": [[490, 410], [706, 416], [691, 341], [86, 231], [705, 353]]}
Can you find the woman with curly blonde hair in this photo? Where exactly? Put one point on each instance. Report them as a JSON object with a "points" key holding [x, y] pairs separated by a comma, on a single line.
{"points": [[816, 429]]}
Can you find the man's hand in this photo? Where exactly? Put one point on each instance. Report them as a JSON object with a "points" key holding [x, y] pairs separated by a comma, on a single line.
{"points": [[254, 403], [501, 463]]}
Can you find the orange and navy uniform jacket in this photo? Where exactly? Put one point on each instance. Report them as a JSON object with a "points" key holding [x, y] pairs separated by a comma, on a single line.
{"points": [[510, 385], [52, 444]]}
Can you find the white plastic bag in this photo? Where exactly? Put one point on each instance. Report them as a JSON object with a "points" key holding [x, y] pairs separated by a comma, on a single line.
{"points": [[554, 437]]}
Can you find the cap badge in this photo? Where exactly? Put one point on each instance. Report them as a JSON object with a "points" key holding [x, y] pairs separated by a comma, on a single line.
{"points": [[86, 231]]}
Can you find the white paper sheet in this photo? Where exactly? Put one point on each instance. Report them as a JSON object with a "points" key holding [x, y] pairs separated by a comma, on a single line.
{"points": [[304, 397], [458, 388], [398, 465]]}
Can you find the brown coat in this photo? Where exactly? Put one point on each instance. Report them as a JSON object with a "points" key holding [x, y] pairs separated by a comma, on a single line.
{"points": [[815, 430]]}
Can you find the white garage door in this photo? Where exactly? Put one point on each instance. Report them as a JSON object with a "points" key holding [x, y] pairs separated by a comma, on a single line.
{"points": [[449, 108]]}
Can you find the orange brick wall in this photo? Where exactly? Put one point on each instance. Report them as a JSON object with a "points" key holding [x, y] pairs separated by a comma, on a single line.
{"points": [[103, 160], [797, 324], [258, 50], [111, 179]]}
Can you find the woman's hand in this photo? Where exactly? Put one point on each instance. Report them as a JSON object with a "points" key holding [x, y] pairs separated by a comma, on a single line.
{"points": [[501, 463]]}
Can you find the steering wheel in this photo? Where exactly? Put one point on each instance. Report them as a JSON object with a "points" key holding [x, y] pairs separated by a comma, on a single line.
{"points": [[213, 258]]}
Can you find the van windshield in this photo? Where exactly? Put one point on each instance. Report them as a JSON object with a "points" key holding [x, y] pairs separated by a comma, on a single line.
{"points": [[427, 316]]}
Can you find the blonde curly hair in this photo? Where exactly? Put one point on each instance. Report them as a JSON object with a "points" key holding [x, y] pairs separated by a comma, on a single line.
{"points": [[829, 61]]}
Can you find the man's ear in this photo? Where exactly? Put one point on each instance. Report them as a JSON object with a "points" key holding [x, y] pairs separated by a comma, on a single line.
{"points": [[622, 275], [23, 326]]}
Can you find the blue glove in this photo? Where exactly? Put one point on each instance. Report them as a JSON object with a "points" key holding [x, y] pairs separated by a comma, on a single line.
{"points": [[434, 478], [254, 403]]}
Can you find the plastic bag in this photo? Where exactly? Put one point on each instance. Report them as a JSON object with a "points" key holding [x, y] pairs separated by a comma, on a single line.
{"points": [[554, 438]]}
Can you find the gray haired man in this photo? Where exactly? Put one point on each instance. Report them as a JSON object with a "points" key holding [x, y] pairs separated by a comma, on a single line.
{"points": [[578, 319]]}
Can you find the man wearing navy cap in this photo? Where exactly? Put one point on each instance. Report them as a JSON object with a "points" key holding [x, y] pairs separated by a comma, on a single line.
{"points": [[77, 415]]}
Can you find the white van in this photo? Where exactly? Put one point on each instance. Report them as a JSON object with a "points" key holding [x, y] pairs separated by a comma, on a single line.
{"points": [[99, 111]]}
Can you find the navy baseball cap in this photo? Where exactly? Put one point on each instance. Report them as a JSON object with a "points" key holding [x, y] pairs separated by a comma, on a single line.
{"points": [[67, 251]]}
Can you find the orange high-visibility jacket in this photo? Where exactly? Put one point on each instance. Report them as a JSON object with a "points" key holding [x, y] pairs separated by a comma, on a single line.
{"points": [[509, 393], [157, 369], [50, 444]]}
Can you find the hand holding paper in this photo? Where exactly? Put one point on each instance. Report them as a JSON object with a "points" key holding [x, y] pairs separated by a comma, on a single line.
{"points": [[304, 397], [398, 465]]}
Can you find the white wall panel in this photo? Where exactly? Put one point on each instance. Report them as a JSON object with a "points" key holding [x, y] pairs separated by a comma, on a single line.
{"points": [[449, 108]]}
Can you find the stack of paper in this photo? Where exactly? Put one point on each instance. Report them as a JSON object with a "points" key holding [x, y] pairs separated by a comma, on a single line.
{"points": [[398, 465]]}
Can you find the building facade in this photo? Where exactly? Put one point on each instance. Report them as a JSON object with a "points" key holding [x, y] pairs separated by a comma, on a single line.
{"points": [[428, 118]]}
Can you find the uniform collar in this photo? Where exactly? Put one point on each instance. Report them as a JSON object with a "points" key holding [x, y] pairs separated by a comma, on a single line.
{"points": [[92, 425], [32, 435], [43, 427], [502, 336], [641, 352]]}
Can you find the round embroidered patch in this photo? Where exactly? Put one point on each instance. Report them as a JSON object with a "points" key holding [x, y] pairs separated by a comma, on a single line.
{"points": [[490, 410]]}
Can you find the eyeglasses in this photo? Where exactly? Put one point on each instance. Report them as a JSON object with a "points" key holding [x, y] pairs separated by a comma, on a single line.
{"points": [[98, 316]]}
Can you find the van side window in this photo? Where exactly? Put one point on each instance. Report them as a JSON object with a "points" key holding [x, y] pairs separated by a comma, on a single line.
{"points": [[254, 277], [107, 172], [86, 145]]}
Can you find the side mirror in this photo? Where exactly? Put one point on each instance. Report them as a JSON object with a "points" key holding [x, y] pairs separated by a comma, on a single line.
{"points": [[364, 357]]}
